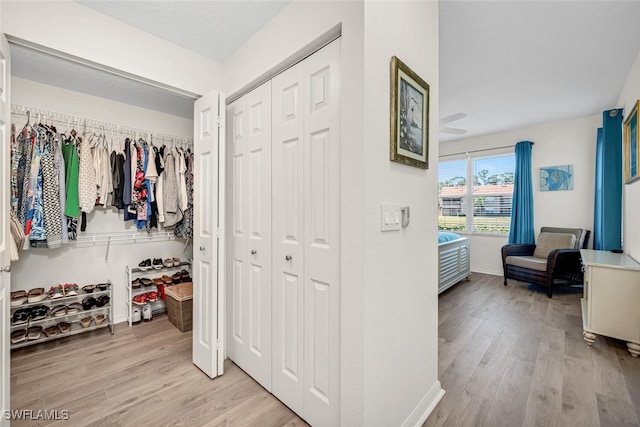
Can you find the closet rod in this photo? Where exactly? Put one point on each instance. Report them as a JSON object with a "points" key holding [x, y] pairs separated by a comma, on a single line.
{"points": [[480, 151], [100, 125]]}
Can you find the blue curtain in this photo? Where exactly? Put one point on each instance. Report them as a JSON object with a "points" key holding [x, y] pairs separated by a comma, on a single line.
{"points": [[521, 230], [607, 215]]}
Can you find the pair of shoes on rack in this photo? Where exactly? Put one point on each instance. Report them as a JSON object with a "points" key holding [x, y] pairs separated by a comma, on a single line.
{"points": [[89, 302], [181, 277], [157, 263], [142, 299], [171, 262], [60, 328], [145, 265], [34, 295]]}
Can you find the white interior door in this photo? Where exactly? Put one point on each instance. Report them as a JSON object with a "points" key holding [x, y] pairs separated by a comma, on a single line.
{"points": [[288, 234], [322, 236], [208, 238], [5, 277], [250, 299]]}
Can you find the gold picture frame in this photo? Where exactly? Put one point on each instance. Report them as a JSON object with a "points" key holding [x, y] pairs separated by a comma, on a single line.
{"points": [[631, 158], [409, 116]]}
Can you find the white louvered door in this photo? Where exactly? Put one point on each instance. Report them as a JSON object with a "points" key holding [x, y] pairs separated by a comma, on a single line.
{"points": [[250, 270], [288, 234]]}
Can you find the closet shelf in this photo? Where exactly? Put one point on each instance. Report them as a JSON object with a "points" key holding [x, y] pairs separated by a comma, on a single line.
{"points": [[153, 271], [76, 328], [122, 236]]}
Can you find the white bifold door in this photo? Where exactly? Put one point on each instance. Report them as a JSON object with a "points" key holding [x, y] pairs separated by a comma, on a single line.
{"points": [[208, 236], [249, 297], [5, 266], [285, 324]]}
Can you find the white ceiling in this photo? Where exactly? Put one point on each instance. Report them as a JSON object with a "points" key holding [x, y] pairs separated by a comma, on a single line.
{"points": [[214, 29], [505, 64], [508, 64]]}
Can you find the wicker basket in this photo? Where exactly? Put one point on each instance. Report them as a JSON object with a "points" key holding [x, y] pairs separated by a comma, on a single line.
{"points": [[180, 305]]}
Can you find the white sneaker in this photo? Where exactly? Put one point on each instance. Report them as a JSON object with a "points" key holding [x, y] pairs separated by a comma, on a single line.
{"points": [[146, 312], [136, 316]]}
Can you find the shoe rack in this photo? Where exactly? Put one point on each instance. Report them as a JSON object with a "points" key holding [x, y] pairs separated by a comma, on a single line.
{"points": [[159, 306], [66, 321]]}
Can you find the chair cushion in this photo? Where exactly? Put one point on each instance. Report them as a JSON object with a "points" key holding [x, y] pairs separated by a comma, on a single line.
{"points": [[580, 233], [529, 262], [550, 241]]}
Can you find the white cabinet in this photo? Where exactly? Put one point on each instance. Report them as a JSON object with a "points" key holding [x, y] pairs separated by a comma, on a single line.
{"points": [[611, 301], [284, 278]]}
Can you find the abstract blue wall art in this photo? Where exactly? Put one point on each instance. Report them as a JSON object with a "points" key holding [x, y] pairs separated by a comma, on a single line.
{"points": [[556, 178]]}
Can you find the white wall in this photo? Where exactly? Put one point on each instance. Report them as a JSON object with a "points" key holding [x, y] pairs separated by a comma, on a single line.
{"points": [[77, 30], [556, 143], [631, 193], [389, 301], [86, 263], [297, 26], [401, 271]]}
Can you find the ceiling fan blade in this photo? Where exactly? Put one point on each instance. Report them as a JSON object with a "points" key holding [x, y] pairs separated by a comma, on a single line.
{"points": [[452, 118], [452, 130]]}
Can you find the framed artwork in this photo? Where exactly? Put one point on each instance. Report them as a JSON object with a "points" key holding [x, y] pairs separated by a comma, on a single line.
{"points": [[409, 116], [631, 146], [556, 178]]}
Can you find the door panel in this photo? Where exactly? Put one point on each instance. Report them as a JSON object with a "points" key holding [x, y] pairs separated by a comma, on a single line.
{"points": [[208, 311], [5, 277], [287, 235], [237, 307], [322, 237], [250, 343]]}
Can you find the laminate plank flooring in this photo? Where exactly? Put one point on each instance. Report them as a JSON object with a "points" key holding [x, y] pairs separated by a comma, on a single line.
{"points": [[140, 376], [510, 356]]}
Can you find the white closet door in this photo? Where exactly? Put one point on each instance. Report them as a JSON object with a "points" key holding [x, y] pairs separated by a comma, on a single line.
{"points": [[287, 232], [322, 237], [208, 240], [237, 135], [251, 269], [5, 277]]}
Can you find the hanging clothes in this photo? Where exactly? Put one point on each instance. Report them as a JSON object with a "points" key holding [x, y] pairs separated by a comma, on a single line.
{"points": [[87, 178], [51, 196], [185, 228], [58, 164], [26, 140]]}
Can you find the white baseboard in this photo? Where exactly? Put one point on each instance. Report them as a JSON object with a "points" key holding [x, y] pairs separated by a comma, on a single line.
{"points": [[427, 404], [483, 271]]}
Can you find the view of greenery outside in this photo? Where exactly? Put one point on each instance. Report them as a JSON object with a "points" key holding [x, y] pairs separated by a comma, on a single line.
{"points": [[490, 216]]}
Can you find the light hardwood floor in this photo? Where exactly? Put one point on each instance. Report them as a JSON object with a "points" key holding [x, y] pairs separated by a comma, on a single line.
{"points": [[512, 357], [141, 376]]}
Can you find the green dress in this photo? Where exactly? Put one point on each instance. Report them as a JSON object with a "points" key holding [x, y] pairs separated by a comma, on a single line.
{"points": [[70, 154]]}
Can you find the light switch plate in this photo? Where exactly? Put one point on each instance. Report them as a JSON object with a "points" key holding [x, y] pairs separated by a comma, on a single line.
{"points": [[390, 217]]}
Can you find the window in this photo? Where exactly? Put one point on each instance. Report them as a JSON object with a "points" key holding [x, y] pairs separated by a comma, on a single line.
{"points": [[475, 194]]}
